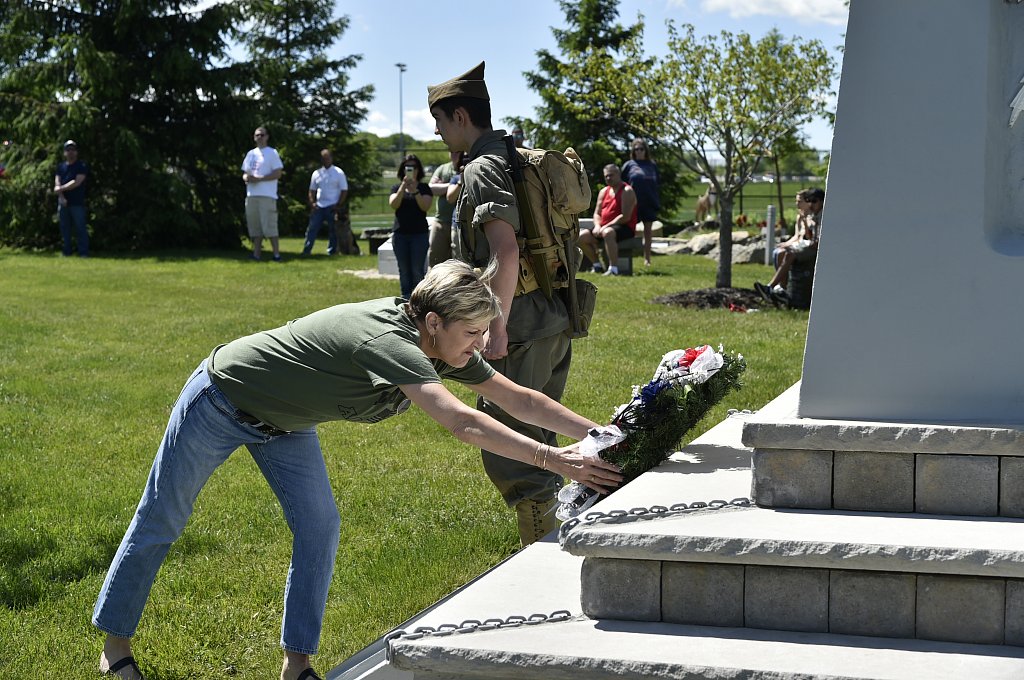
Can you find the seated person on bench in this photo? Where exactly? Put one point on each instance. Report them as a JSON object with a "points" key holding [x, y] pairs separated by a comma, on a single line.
{"points": [[802, 247], [614, 220]]}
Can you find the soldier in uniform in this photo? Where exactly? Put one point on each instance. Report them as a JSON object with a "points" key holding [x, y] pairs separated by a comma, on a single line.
{"points": [[527, 343]]}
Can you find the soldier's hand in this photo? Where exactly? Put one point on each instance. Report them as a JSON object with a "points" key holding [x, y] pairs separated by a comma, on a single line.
{"points": [[496, 346]]}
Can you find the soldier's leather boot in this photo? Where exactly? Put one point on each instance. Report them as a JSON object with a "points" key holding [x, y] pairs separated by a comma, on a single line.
{"points": [[536, 519]]}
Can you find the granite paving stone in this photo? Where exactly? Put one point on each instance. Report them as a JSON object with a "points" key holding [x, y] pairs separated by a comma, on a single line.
{"points": [[952, 484], [702, 594], [789, 478], [621, 589], [786, 598], [961, 608], [873, 481], [881, 603]]}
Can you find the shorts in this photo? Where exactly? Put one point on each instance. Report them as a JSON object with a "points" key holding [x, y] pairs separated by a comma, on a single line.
{"points": [[804, 251], [261, 216], [623, 233], [647, 213]]}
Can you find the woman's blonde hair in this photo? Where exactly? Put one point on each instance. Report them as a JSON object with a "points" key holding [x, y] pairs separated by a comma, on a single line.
{"points": [[456, 292]]}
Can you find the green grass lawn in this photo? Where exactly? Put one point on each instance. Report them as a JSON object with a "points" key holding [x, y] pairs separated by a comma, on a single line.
{"points": [[93, 354]]}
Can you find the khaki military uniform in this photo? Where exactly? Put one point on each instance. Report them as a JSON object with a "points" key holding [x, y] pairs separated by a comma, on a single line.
{"points": [[539, 352]]}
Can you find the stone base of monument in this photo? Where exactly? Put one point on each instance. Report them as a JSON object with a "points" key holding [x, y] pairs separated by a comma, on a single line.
{"points": [[740, 592], [974, 470]]}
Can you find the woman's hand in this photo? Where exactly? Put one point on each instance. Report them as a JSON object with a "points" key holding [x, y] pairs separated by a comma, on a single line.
{"points": [[598, 474]]}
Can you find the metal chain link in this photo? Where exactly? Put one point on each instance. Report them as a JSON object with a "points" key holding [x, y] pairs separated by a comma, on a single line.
{"points": [[655, 511], [473, 625], [514, 621]]}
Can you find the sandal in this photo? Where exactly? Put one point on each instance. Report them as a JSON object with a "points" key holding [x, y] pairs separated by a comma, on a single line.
{"points": [[308, 674], [124, 663]]}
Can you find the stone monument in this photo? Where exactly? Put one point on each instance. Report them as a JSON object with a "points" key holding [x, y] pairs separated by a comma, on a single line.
{"points": [[914, 313]]}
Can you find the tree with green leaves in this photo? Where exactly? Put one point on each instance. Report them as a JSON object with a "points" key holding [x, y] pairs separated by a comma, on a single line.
{"points": [[144, 89], [163, 115], [566, 117], [302, 96], [720, 104]]}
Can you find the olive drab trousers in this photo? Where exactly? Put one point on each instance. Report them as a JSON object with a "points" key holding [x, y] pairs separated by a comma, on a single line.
{"points": [[542, 365]]}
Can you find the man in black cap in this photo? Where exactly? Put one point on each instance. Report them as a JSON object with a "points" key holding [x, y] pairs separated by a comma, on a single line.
{"points": [[69, 185], [527, 343]]}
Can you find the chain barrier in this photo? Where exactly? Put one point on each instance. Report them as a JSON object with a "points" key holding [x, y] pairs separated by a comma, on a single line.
{"points": [[640, 513], [473, 625]]}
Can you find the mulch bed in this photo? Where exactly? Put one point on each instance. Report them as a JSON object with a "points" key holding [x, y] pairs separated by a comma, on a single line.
{"points": [[738, 299]]}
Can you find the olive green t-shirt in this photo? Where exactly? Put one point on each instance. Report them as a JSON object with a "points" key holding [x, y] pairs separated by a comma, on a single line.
{"points": [[488, 194], [341, 363]]}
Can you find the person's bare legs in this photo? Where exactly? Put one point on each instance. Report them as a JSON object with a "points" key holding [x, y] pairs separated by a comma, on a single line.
{"points": [[257, 246], [294, 664], [781, 277], [114, 649], [611, 245], [274, 241], [648, 225], [588, 244]]}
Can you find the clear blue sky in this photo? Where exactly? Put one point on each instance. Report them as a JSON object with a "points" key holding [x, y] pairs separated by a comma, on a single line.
{"points": [[440, 40]]}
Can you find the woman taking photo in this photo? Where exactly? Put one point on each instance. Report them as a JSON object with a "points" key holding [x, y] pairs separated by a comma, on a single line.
{"points": [[362, 362], [410, 236]]}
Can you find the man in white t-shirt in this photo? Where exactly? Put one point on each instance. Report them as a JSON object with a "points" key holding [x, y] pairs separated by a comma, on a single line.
{"points": [[261, 169], [328, 189]]}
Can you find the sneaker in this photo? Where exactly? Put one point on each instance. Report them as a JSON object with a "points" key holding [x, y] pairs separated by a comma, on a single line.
{"points": [[777, 289], [598, 268], [612, 271], [255, 257], [277, 258]]}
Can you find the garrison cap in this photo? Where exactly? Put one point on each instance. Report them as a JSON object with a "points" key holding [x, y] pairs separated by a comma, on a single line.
{"points": [[469, 84]]}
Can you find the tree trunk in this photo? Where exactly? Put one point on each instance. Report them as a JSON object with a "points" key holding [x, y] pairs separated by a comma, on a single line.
{"points": [[723, 279]]}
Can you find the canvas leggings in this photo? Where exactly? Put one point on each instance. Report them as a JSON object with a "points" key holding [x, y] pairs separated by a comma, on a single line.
{"points": [[201, 434], [541, 365]]}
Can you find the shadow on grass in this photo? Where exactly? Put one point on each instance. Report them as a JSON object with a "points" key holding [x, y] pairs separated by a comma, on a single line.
{"points": [[38, 564]]}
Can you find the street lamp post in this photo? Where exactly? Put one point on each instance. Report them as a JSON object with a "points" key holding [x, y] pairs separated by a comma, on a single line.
{"points": [[401, 136]]}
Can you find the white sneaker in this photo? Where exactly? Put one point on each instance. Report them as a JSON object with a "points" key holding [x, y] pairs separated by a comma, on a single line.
{"points": [[778, 289], [612, 271], [598, 268]]}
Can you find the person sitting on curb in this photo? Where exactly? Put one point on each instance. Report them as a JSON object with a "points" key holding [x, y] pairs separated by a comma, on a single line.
{"points": [[801, 248], [614, 220]]}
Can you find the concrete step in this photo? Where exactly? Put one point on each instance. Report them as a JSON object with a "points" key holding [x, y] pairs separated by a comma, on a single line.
{"points": [[911, 576], [974, 469], [599, 650], [543, 578]]}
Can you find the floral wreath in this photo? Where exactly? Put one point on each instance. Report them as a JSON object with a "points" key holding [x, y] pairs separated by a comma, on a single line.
{"points": [[647, 430]]}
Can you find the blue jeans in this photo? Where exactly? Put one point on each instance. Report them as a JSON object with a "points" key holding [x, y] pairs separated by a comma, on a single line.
{"points": [[201, 434], [411, 254], [73, 215], [316, 222]]}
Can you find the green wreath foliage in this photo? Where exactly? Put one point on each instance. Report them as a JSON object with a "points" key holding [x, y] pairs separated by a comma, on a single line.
{"points": [[654, 428]]}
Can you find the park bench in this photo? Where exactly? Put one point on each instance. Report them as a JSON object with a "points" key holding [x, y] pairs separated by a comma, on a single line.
{"points": [[627, 250]]}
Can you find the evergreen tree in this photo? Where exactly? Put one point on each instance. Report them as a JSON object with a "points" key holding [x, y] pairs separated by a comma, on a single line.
{"points": [[301, 95], [566, 117], [142, 87]]}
